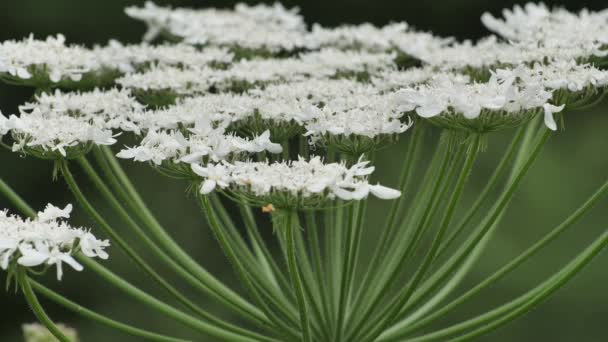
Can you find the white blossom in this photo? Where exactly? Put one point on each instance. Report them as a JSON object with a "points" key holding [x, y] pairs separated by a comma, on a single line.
{"points": [[202, 141], [273, 28], [46, 240], [323, 64], [127, 58], [444, 95], [558, 29], [336, 107], [58, 61], [58, 121], [301, 178], [362, 115]]}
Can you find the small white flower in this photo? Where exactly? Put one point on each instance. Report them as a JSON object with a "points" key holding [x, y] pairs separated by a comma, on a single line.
{"points": [[46, 240], [272, 28], [549, 111], [214, 175], [301, 178], [556, 28], [61, 61], [52, 213], [58, 121]]}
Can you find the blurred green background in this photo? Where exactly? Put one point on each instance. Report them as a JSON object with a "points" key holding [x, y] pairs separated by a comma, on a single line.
{"points": [[573, 165]]}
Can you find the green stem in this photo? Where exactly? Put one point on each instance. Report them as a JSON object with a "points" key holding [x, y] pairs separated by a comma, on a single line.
{"points": [[406, 175], [522, 304], [187, 320], [343, 291], [107, 194], [473, 255], [251, 265], [125, 328], [388, 277], [311, 287], [38, 310], [17, 201], [276, 319], [388, 315], [471, 248], [399, 331], [314, 240], [123, 186], [260, 248], [483, 196], [294, 272], [381, 269]]}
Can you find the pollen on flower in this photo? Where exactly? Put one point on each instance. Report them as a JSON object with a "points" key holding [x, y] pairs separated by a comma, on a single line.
{"points": [[268, 208]]}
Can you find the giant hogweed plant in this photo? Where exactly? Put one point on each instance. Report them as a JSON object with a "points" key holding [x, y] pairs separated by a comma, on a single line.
{"points": [[267, 118]]}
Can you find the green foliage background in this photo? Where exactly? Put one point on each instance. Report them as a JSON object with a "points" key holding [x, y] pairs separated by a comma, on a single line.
{"points": [[573, 165]]}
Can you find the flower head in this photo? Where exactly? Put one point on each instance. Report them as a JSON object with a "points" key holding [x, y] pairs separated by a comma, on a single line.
{"points": [[63, 125], [557, 29], [45, 62], [46, 240], [273, 28], [301, 183]]}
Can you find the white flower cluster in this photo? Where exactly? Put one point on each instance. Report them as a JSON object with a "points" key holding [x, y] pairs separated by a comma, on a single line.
{"points": [[301, 178], [323, 64], [203, 141], [341, 86], [337, 107], [368, 37], [46, 240], [55, 122], [556, 28], [511, 91], [491, 52], [273, 28], [24, 59], [128, 58], [55, 61]]}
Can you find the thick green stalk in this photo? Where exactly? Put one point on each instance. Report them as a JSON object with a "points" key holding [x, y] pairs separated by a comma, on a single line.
{"points": [[388, 315], [522, 304], [242, 253], [16, 200], [397, 206], [124, 188], [153, 303], [381, 269], [361, 210], [276, 319], [294, 272], [530, 131], [381, 286], [107, 194], [483, 196], [343, 290], [38, 310], [319, 270], [476, 241], [335, 256], [402, 329], [311, 287], [125, 328], [270, 267]]}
